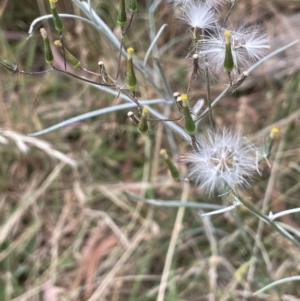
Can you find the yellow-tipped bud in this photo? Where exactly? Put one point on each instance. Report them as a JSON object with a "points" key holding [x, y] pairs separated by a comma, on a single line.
{"points": [[47, 48], [130, 75], [274, 132], [267, 148], [227, 36], [52, 3], [122, 17], [228, 60], [184, 99], [59, 25], [130, 52], [143, 124], [69, 56], [163, 153], [189, 123], [171, 166], [10, 66]]}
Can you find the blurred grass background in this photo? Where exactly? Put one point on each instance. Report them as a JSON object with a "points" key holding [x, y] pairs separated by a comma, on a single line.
{"points": [[66, 232]]}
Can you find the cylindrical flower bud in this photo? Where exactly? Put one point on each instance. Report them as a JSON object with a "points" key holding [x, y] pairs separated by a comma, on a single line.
{"points": [[122, 17], [189, 123], [130, 76], [69, 56], [270, 142], [274, 132], [59, 25], [52, 3], [228, 61], [143, 124], [265, 151], [132, 6], [10, 66], [172, 168], [48, 52]]}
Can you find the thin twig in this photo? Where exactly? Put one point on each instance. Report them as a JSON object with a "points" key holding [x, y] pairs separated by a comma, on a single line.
{"points": [[229, 12], [194, 143], [119, 56], [82, 78], [35, 73], [128, 26], [211, 120]]}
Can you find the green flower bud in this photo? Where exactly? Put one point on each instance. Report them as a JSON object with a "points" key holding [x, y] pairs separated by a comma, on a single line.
{"points": [[189, 123], [143, 124], [130, 76], [269, 144], [172, 168], [132, 6], [10, 66], [48, 52], [52, 3], [122, 17], [59, 25], [69, 56], [228, 61]]}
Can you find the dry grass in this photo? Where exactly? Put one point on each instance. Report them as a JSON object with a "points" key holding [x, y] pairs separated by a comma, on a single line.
{"points": [[79, 233]]}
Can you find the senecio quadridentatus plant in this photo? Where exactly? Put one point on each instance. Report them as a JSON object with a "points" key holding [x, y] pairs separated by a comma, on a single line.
{"points": [[221, 160]]}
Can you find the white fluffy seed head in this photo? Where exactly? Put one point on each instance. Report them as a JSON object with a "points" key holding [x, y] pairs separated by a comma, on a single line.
{"points": [[211, 3], [247, 45], [224, 160], [198, 14]]}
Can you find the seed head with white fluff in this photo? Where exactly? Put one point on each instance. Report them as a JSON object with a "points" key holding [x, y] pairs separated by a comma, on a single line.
{"points": [[211, 3], [248, 45], [199, 15], [224, 160]]}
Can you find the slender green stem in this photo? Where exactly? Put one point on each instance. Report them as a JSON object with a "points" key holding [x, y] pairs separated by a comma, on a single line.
{"points": [[265, 218], [211, 120]]}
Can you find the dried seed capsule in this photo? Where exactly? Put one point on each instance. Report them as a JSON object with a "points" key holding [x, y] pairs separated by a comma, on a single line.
{"points": [[103, 72], [133, 118]]}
